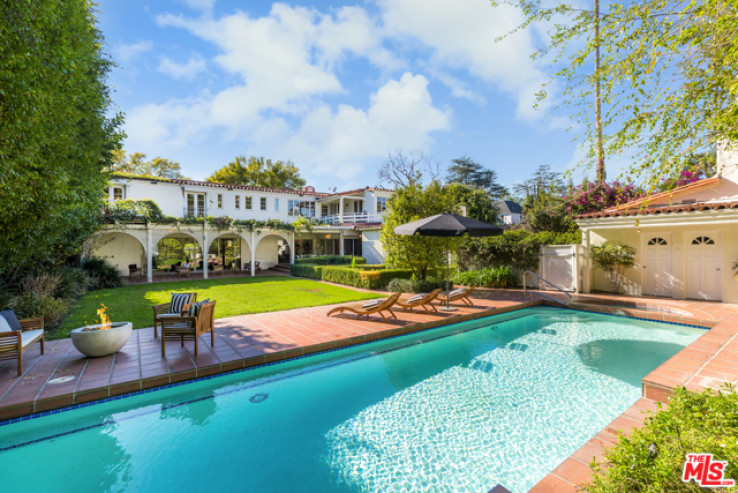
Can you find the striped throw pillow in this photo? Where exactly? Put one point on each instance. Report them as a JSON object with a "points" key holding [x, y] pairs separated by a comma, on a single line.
{"points": [[195, 307], [179, 300]]}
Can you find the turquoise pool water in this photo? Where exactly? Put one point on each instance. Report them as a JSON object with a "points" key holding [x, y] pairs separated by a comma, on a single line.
{"points": [[463, 408]]}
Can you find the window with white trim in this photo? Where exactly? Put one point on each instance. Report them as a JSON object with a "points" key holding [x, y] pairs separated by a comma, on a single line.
{"points": [[238, 201], [247, 202], [381, 204], [220, 201], [263, 203]]}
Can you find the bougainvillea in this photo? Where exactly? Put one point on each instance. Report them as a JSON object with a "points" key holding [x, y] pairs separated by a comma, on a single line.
{"points": [[594, 197]]}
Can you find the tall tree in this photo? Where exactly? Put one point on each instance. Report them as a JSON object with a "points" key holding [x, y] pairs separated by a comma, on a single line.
{"points": [[466, 171], [259, 172], [543, 181], [137, 164], [667, 76], [401, 169], [423, 254], [56, 135]]}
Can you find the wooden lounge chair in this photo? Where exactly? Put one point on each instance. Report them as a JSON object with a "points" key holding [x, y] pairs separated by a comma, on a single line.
{"points": [[218, 269], [369, 308], [457, 294], [189, 326], [14, 342], [424, 299], [165, 310]]}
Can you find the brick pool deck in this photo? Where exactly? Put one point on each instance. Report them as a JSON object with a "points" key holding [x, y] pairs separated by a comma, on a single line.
{"points": [[251, 340]]}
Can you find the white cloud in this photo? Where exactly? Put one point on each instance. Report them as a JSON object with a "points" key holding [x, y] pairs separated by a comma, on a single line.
{"points": [[401, 116], [188, 70], [462, 35], [124, 53]]}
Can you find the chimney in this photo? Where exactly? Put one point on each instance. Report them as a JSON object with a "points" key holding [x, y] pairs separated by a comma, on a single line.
{"points": [[727, 160]]}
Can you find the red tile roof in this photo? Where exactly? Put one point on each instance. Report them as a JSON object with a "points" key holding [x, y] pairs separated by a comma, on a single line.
{"points": [[661, 209]]}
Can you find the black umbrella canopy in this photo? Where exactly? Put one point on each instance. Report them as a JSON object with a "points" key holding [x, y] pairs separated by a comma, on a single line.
{"points": [[448, 224]]}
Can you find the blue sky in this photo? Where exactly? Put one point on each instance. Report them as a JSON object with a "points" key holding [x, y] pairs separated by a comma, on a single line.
{"points": [[333, 87]]}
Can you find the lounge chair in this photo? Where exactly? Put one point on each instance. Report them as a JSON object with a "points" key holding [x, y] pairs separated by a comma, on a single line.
{"points": [[217, 269], [178, 306], [191, 325], [369, 308], [457, 294], [14, 341], [424, 299], [183, 270]]}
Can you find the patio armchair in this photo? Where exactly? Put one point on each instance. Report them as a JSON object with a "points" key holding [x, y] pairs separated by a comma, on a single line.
{"points": [[183, 270], [369, 308], [217, 269], [424, 300], [14, 342], [457, 294], [190, 325], [178, 306]]}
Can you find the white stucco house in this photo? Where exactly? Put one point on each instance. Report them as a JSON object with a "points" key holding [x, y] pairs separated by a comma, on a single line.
{"points": [[348, 224], [686, 240]]}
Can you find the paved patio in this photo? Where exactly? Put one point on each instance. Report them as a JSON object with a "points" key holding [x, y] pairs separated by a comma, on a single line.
{"points": [[251, 340]]}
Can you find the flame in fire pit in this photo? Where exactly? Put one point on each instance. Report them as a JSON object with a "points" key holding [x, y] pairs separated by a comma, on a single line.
{"points": [[105, 322]]}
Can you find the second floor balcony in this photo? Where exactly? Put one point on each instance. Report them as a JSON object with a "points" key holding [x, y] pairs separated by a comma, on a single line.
{"points": [[351, 218], [194, 211]]}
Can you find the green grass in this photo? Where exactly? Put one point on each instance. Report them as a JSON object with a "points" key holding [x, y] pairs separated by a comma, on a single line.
{"points": [[235, 296]]}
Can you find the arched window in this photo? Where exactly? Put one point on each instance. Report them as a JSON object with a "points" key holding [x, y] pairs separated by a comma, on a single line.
{"points": [[657, 241], [703, 240]]}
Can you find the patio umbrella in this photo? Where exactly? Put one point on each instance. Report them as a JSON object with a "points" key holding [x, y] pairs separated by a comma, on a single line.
{"points": [[447, 225]]}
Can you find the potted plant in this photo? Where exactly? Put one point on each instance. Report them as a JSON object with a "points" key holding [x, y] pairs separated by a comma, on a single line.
{"points": [[101, 339]]}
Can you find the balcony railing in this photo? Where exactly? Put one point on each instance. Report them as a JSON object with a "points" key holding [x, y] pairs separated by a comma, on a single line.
{"points": [[194, 212], [352, 218]]}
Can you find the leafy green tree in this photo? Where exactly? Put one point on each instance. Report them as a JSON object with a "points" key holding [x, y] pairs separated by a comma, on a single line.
{"points": [[694, 167], [549, 212], [465, 171], [259, 172], [56, 135], [424, 255], [478, 203], [668, 75], [137, 164]]}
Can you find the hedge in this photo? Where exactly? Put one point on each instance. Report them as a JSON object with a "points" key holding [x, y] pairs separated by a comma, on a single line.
{"points": [[367, 279], [330, 260], [306, 270]]}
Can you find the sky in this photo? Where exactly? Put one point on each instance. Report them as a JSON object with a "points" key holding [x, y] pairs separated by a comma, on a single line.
{"points": [[334, 87]]}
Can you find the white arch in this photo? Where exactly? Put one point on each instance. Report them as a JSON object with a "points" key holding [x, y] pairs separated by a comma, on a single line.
{"points": [[115, 252]]}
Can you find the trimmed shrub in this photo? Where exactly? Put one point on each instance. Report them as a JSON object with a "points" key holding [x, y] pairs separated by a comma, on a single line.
{"points": [[331, 260], [518, 249], [311, 271], [415, 286], [344, 275], [493, 277], [102, 274]]}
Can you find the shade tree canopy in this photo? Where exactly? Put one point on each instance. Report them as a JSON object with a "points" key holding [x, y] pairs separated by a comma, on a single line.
{"points": [[259, 172], [465, 171], [136, 164], [56, 130], [668, 76]]}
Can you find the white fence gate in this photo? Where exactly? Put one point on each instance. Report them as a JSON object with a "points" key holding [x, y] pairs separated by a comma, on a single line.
{"points": [[559, 265]]}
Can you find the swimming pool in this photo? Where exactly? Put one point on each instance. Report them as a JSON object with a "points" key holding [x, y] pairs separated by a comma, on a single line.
{"points": [[462, 408]]}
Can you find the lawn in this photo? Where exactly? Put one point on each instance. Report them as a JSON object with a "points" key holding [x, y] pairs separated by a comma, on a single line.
{"points": [[234, 296]]}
